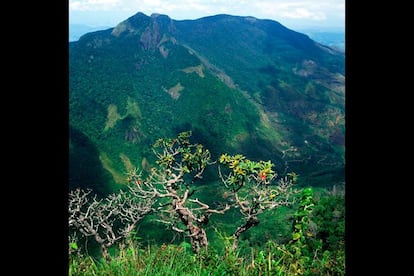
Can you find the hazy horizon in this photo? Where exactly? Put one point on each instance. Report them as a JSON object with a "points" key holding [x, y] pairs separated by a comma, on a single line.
{"points": [[305, 14]]}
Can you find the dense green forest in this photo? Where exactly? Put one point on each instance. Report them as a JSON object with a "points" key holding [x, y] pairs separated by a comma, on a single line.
{"points": [[199, 149]]}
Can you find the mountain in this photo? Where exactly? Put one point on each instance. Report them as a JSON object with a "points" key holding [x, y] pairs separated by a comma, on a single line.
{"points": [[241, 84], [334, 38]]}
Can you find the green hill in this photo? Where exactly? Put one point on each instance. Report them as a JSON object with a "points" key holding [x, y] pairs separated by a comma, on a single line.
{"points": [[242, 85]]}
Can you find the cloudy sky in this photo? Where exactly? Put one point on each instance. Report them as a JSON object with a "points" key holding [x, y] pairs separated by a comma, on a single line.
{"points": [[294, 14]]}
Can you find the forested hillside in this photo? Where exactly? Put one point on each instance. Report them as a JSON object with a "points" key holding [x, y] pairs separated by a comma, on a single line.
{"points": [[240, 84]]}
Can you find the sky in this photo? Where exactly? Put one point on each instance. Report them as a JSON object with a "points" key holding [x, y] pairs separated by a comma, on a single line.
{"points": [[294, 14]]}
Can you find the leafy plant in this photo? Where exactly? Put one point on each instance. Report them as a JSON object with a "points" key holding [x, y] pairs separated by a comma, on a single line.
{"points": [[250, 185]]}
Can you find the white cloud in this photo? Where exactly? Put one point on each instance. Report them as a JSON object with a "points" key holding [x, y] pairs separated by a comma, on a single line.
{"points": [[301, 13], [292, 11], [309, 10], [93, 5]]}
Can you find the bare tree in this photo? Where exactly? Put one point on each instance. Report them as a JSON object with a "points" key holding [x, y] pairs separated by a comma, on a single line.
{"points": [[250, 183], [180, 164], [107, 220]]}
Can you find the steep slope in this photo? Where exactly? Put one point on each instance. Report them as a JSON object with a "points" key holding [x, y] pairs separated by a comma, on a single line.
{"points": [[241, 84], [298, 83]]}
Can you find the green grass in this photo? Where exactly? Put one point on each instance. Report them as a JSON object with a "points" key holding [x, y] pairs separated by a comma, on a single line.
{"points": [[169, 259]]}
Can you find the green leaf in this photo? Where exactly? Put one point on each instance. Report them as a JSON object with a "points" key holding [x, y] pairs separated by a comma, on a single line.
{"points": [[298, 226], [295, 236], [73, 245]]}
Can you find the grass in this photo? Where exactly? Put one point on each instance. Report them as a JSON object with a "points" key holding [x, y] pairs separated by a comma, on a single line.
{"points": [[108, 165], [134, 259], [112, 117], [156, 260]]}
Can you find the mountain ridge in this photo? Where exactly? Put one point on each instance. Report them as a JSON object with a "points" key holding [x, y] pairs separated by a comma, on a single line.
{"points": [[268, 91]]}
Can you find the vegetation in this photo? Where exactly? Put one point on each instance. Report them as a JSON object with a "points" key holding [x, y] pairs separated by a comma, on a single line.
{"points": [[171, 185], [266, 91], [249, 183], [315, 245], [144, 205], [296, 257]]}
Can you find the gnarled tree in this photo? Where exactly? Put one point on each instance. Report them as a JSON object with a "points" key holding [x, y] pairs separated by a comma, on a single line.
{"points": [[108, 219], [180, 164], [252, 186]]}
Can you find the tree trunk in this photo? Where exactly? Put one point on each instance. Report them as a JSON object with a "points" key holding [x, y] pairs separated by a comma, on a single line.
{"points": [[251, 221], [105, 253], [198, 238]]}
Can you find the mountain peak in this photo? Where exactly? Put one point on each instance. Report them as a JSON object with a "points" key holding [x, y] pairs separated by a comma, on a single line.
{"points": [[140, 22], [156, 15]]}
